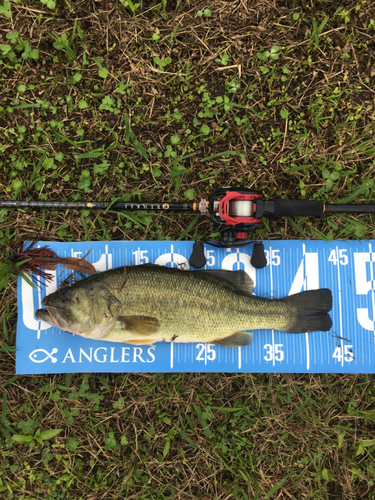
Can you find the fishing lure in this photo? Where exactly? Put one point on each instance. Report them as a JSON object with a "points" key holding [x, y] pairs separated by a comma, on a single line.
{"points": [[36, 262]]}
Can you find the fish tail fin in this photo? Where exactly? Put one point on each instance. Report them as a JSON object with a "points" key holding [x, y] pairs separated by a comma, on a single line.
{"points": [[310, 311]]}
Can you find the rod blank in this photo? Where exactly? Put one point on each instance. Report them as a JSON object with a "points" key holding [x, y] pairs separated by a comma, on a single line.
{"points": [[350, 209]]}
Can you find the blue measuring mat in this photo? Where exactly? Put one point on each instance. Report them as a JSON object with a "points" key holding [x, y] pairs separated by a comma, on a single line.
{"points": [[347, 268]]}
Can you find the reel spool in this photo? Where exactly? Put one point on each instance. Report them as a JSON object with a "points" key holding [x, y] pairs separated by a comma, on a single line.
{"points": [[237, 208], [241, 208]]}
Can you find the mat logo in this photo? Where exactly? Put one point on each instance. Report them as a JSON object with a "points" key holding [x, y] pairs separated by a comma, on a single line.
{"points": [[364, 268], [41, 355], [110, 355], [97, 355]]}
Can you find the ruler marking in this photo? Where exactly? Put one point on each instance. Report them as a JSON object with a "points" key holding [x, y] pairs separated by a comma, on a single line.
{"points": [[372, 261], [171, 355], [272, 295], [304, 288], [340, 304]]}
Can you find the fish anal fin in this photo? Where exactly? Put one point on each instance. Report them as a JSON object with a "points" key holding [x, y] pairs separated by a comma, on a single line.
{"points": [[142, 325], [237, 339], [149, 342]]}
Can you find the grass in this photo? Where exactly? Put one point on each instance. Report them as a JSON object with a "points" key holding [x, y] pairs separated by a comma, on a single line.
{"points": [[158, 436], [170, 101]]}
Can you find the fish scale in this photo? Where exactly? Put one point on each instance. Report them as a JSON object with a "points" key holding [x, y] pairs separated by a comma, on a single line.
{"points": [[150, 303]]}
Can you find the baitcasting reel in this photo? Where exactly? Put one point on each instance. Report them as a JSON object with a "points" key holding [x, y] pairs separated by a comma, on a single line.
{"points": [[233, 214]]}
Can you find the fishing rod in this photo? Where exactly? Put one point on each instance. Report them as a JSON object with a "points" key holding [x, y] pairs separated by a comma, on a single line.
{"points": [[234, 212]]}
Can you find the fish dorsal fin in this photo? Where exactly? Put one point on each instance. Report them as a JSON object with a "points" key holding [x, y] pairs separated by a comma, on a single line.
{"points": [[142, 325], [238, 339], [236, 280]]}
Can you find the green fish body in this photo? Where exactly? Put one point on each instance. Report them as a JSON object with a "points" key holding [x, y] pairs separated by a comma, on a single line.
{"points": [[150, 303]]}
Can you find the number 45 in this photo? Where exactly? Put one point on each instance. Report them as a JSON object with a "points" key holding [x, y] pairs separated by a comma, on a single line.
{"points": [[347, 355], [338, 256]]}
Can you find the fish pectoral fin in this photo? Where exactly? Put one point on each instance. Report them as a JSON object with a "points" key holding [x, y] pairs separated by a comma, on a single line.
{"points": [[143, 325], [149, 342], [237, 339]]}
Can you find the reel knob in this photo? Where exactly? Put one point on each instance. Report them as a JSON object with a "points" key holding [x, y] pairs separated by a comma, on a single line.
{"points": [[258, 259], [197, 258]]}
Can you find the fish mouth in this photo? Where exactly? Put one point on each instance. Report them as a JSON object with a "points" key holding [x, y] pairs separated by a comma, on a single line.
{"points": [[57, 317]]}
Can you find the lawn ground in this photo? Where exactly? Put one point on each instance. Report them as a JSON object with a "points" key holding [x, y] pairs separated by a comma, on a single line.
{"points": [[101, 100]]}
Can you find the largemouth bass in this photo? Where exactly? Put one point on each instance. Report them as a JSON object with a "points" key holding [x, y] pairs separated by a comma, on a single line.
{"points": [[149, 303]]}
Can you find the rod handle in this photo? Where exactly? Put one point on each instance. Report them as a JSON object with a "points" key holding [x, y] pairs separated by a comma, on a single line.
{"points": [[298, 208], [289, 208]]}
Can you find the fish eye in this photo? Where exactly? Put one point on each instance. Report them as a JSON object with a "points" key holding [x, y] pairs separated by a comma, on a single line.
{"points": [[64, 297]]}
